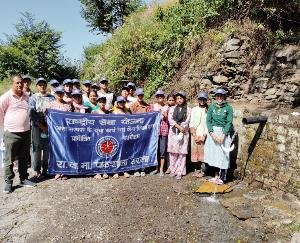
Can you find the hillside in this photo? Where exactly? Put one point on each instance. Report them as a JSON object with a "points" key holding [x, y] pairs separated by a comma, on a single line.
{"points": [[249, 47]]}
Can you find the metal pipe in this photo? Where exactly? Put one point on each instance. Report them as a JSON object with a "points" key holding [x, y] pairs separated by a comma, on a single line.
{"points": [[254, 120]]}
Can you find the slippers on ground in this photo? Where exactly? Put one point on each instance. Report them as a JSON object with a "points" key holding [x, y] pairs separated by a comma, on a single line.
{"points": [[57, 177]]}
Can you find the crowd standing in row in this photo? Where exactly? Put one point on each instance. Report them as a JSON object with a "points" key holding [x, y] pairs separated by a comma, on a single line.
{"points": [[22, 114]]}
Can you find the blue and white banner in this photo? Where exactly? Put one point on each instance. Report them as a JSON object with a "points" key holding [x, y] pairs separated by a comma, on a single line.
{"points": [[84, 144]]}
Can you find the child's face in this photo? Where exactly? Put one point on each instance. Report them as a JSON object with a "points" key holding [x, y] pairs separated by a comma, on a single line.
{"points": [[101, 104], [171, 101], [160, 99], [179, 100], [202, 101], [77, 99]]}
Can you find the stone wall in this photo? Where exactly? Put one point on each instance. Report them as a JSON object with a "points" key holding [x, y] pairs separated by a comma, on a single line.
{"points": [[274, 155], [272, 78]]}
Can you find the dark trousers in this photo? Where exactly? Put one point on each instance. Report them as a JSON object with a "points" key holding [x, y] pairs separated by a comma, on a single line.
{"points": [[17, 145], [39, 151]]}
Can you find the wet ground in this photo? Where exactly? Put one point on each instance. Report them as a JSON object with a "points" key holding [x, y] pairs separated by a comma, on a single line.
{"points": [[149, 209]]}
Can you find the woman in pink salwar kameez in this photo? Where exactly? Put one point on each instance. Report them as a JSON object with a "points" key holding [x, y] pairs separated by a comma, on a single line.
{"points": [[178, 138]]}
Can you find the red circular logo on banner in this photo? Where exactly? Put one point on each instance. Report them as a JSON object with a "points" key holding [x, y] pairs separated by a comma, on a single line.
{"points": [[107, 146]]}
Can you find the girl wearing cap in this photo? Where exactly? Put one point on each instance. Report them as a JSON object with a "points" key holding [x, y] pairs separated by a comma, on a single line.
{"points": [[178, 138], [219, 124], [101, 102], [198, 130], [164, 130], [120, 107], [60, 104], [78, 103], [92, 103]]}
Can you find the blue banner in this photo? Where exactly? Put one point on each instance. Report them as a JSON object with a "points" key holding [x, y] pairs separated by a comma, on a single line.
{"points": [[85, 144]]}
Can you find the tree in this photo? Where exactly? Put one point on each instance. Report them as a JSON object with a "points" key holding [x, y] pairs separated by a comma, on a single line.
{"points": [[34, 50], [104, 16]]}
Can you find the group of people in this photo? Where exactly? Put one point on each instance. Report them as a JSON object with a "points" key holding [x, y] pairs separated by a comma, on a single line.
{"points": [[22, 114]]}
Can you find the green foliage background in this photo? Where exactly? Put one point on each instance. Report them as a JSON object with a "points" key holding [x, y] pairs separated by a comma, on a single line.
{"points": [[148, 48]]}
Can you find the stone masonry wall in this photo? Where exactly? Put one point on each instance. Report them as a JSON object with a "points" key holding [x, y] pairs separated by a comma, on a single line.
{"points": [[275, 158]]}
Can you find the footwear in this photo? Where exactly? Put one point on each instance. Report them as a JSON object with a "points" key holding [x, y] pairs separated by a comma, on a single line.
{"points": [[212, 180], [153, 172], [126, 175], [143, 174], [198, 174], [105, 176], [161, 173], [168, 171], [137, 174], [57, 177], [116, 176], [98, 177], [172, 175], [219, 181], [7, 188], [178, 177], [27, 183]]}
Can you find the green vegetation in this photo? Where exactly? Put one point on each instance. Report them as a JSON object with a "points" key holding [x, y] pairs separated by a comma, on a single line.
{"points": [[105, 16], [34, 50], [149, 46]]}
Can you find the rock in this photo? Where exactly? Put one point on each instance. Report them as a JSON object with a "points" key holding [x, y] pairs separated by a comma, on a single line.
{"points": [[294, 79], [271, 91], [233, 60], [242, 208], [206, 81], [271, 97], [232, 45], [290, 52], [220, 79], [295, 238], [232, 54]]}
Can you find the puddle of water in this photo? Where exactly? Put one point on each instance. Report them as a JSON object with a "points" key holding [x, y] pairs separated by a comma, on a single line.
{"points": [[213, 198]]}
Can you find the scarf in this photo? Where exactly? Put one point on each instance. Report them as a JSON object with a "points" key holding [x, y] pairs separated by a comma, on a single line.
{"points": [[179, 115]]}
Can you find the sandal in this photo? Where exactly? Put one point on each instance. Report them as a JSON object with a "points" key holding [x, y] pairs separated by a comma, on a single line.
{"points": [[219, 181], [116, 176], [57, 177], [98, 177], [126, 175], [168, 171], [198, 174], [64, 177], [213, 180]]}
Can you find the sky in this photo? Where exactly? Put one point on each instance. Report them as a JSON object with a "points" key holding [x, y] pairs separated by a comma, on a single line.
{"points": [[62, 15]]}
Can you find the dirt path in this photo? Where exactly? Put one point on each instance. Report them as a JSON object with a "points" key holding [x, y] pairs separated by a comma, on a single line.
{"points": [[149, 209]]}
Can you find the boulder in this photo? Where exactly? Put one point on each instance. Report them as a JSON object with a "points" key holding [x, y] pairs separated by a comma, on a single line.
{"points": [[290, 53], [271, 91], [232, 45], [220, 79]]}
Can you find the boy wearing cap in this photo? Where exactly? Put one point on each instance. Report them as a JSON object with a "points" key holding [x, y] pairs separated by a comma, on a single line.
{"points": [[140, 106], [131, 99], [68, 87], [76, 83], [198, 130], [27, 83], [219, 124], [53, 84], [38, 103], [104, 91]]}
